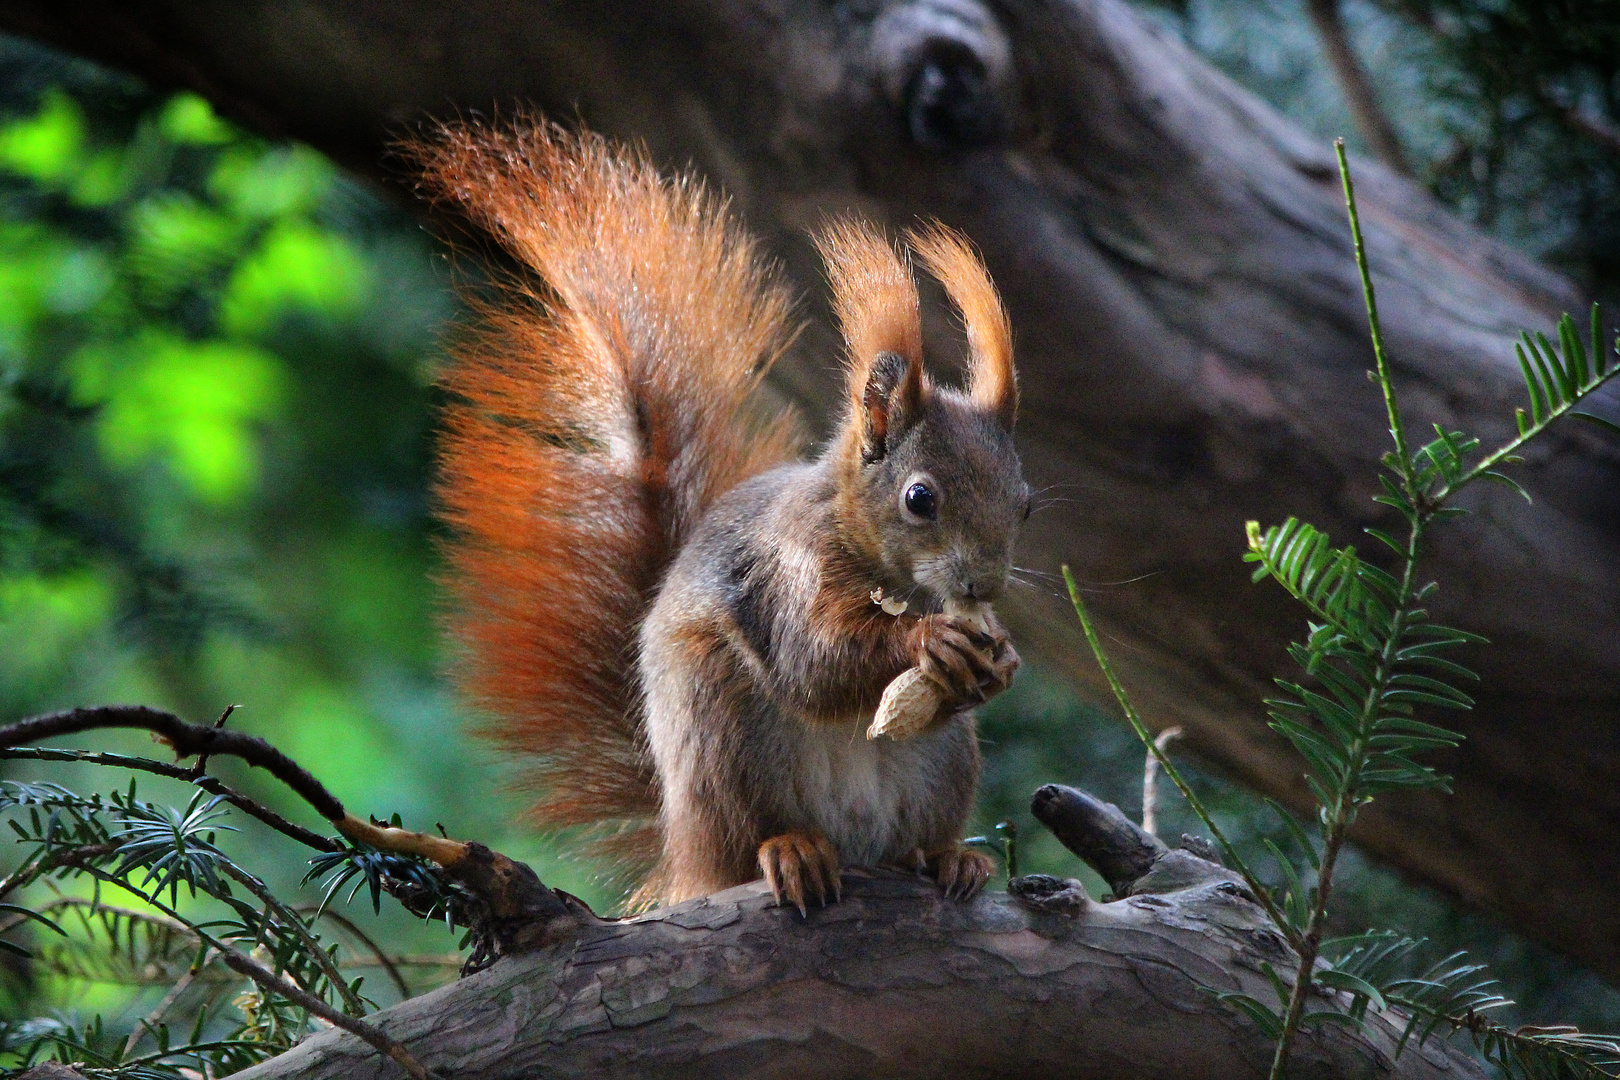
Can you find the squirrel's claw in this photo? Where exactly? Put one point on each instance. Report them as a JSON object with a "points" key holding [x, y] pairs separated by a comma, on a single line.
{"points": [[1004, 664], [794, 864], [961, 871], [969, 666]]}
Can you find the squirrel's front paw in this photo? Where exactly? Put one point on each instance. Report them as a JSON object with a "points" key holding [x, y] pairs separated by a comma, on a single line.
{"points": [[960, 870], [971, 666], [799, 864]]}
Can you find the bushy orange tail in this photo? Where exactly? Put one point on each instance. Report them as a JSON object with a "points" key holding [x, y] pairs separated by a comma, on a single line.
{"points": [[599, 406]]}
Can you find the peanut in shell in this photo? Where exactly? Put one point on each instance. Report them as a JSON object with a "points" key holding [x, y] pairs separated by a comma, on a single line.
{"points": [[910, 702]]}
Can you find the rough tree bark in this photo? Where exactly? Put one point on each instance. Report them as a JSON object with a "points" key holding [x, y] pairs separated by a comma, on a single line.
{"points": [[1190, 333], [894, 981]]}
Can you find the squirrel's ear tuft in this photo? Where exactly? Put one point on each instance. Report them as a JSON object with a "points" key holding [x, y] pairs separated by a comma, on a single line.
{"points": [[875, 299], [992, 382]]}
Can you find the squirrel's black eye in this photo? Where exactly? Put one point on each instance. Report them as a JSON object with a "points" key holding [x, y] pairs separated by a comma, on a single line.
{"points": [[920, 502]]}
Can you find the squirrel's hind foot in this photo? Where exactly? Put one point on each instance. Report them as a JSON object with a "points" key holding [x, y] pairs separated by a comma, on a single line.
{"points": [[960, 870], [799, 865]]}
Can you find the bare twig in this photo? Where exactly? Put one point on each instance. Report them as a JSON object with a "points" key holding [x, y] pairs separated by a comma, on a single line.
{"points": [[33, 869], [444, 851], [1150, 780], [155, 1017], [383, 959], [186, 740], [201, 767]]}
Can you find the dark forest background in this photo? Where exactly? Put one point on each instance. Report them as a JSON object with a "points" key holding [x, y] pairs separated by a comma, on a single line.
{"points": [[216, 411]]}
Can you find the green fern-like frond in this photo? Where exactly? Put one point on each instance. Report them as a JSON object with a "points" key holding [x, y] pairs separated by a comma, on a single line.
{"points": [[1267, 1019], [174, 847], [54, 818], [1455, 995], [1372, 660], [1454, 988], [1529, 1053], [1445, 993], [1558, 377], [100, 1054], [1333, 583], [1444, 461], [152, 851], [370, 869]]}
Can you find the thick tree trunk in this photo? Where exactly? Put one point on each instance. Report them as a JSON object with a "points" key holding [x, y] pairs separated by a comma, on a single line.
{"points": [[892, 981], [1189, 325]]}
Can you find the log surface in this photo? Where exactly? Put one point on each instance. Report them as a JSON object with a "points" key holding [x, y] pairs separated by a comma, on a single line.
{"points": [[1191, 340], [892, 981]]}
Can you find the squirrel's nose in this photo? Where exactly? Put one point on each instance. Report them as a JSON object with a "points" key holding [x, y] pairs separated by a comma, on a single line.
{"points": [[981, 589]]}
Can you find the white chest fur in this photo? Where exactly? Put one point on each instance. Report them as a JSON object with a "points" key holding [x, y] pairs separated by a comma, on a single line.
{"points": [[856, 791]]}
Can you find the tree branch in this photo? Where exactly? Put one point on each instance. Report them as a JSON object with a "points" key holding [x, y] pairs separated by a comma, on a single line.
{"points": [[893, 980], [212, 785], [185, 739], [520, 912]]}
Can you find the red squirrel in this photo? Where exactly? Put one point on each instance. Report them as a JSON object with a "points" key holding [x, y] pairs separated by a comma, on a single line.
{"points": [[655, 599]]}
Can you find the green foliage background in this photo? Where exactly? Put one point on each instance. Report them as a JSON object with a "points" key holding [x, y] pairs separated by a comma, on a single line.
{"points": [[216, 357], [215, 367]]}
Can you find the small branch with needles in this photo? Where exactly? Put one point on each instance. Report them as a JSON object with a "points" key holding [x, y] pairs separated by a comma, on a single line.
{"points": [[518, 910]]}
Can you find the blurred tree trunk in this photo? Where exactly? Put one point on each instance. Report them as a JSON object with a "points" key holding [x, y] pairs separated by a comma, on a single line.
{"points": [[1191, 339]]}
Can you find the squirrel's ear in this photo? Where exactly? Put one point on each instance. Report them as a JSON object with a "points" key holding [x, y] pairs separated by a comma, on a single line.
{"points": [[992, 382], [875, 300], [889, 402]]}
